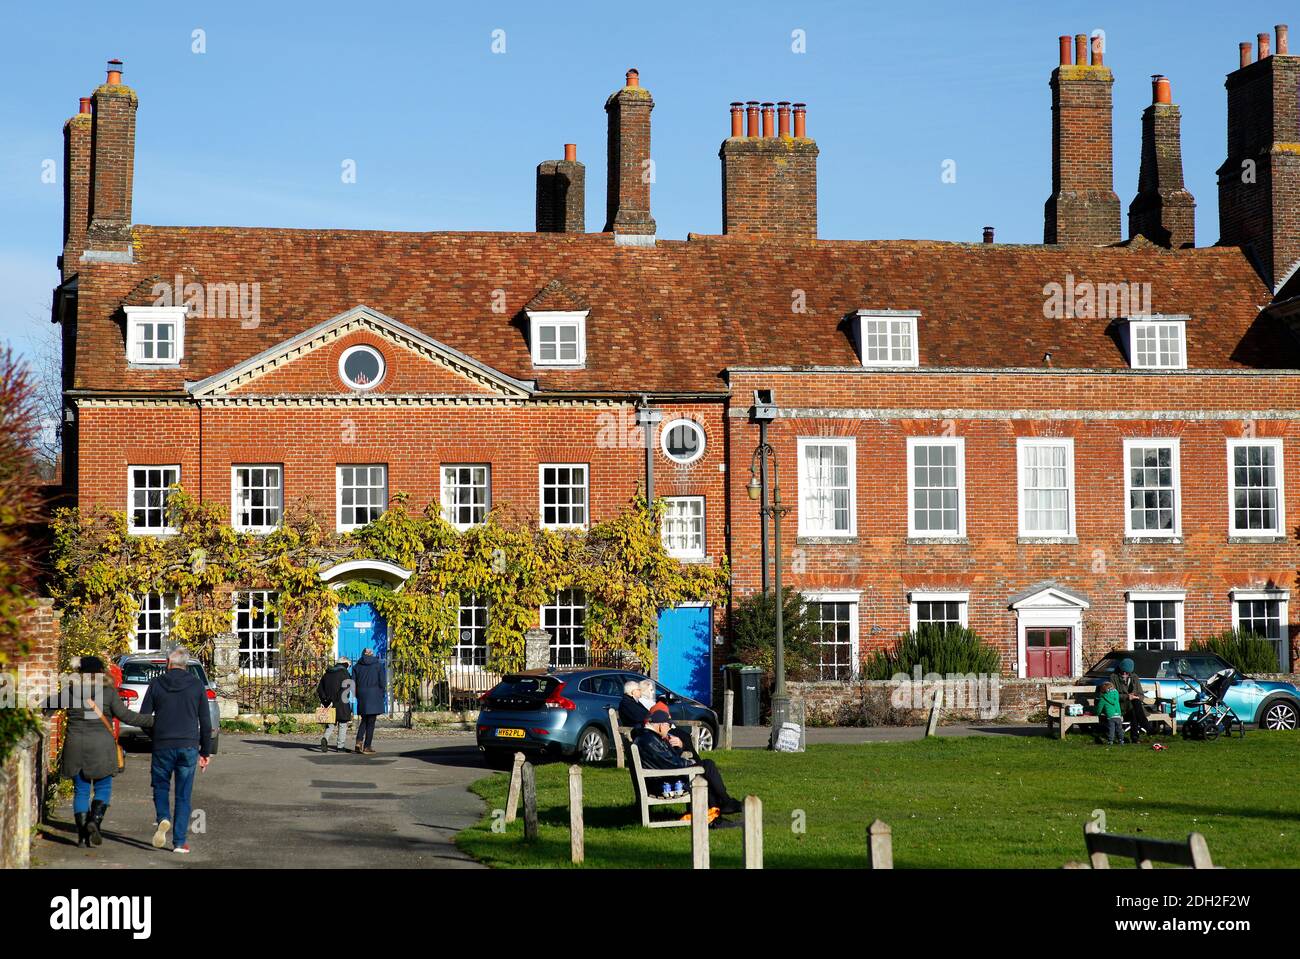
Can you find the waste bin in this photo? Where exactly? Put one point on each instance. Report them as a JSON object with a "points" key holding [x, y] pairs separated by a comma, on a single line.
{"points": [[744, 682]]}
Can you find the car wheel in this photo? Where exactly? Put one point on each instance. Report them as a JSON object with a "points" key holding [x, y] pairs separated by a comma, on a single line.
{"points": [[1278, 715], [593, 745], [705, 738]]}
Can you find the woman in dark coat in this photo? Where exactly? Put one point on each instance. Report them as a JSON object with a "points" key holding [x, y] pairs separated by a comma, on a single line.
{"points": [[335, 689], [90, 744], [371, 686], [1130, 700]]}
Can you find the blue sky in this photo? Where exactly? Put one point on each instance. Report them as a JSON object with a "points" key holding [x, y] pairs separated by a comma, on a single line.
{"points": [[446, 134]]}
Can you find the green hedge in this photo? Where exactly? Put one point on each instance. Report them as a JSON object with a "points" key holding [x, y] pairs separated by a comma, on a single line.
{"points": [[1249, 652], [936, 649]]}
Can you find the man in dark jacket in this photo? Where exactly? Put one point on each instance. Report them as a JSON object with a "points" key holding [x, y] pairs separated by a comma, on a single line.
{"points": [[660, 749], [631, 711], [335, 689], [1130, 699], [182, 742], [370, 688]]}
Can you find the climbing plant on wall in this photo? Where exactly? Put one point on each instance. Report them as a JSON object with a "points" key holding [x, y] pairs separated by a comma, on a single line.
{"points": [[508, 562]]}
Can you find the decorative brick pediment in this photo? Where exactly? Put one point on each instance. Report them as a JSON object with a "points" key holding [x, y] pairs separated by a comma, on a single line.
{"points": [[411, 365]]}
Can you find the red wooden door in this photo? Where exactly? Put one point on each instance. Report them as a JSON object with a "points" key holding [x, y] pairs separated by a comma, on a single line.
{"points": [[1047, 652]]}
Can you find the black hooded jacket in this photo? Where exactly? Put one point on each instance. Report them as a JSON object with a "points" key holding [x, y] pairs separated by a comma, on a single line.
{"points": [[178, 702]]}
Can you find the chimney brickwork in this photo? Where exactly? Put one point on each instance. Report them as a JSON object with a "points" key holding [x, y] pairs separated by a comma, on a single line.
{"points": [[1259, 182], [1083, 208], [561, 194], [113, 164], [1163, 211], [630, 169], [76, 186], [769, 182]]}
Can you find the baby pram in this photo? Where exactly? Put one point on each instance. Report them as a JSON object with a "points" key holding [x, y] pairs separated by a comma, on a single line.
{"points": [[1211, 715]]}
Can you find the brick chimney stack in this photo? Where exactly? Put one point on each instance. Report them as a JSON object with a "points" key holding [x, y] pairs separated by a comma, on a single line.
{"points": [[769, 179], [562, 194], [630, 169], [113, 164], [1083, 209], [1259, 182], [1163, 210], [76, 186]]}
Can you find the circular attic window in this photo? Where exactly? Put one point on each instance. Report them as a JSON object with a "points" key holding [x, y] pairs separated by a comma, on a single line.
{"points": [[682, 441], [361, 367]]}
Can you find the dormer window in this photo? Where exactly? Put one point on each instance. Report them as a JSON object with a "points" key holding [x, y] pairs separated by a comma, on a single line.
{"points": [[888, 337], [1157, 343], [155, 335], [558, 338]]}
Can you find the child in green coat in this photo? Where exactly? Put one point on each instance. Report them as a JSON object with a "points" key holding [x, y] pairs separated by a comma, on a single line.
{"points": [[1108, 712]]}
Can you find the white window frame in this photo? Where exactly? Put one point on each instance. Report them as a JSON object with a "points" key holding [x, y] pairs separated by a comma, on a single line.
{"points": [[959, 443], [236, 490], [854, 599], [586, 495], [1176, 596], [446, 489], [1280, 465], [1283, 599], [688, 553], [137, 316], [1175, 460], [166, 608], [269, 599], [556, 605], [340, 526], [558, 318], [941, 596], [1153, 325], [165, 530], [851, 444], [470, 600], [902, 318], [1023, 443], [685, 421], [362, 348]]}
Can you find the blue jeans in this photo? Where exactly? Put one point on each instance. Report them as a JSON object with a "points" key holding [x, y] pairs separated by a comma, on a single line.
{"points": [[181, 764], [81, 789], [1115, 729]]}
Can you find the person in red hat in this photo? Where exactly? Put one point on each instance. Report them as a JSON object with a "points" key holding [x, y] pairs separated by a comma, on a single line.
{"points": [[661, 750]]}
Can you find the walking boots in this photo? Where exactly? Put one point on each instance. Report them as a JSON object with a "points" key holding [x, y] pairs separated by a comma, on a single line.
{"points": [[83, 837], [94, 819]]}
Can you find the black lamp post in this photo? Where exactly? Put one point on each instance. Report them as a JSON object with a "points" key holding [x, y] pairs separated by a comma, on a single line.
{"points": [[763, 455]]}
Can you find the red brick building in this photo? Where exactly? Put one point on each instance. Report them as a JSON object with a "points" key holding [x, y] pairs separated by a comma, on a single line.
{"points": [[1067, 446]]}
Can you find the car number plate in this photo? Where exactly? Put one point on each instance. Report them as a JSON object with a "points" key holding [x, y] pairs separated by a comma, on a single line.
{"points": [[510, 734]]}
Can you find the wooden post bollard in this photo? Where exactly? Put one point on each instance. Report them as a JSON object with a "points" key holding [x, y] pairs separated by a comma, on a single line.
{"points": [[880, 846], [936, 707], [512, 797], [699, 823], [728, 708], [753, 832], [528, 775], [577, 838]]}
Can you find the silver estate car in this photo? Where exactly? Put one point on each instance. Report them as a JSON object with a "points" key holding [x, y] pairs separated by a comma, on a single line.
{"points": [[138, 669]]}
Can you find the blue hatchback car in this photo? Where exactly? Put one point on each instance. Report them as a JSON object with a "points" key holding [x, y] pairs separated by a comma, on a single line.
{"points": [[566, 713], [1270, 704]]}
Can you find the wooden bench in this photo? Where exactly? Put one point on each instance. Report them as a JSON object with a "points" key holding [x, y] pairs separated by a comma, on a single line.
{"points": [[622, 735], [1192, 852], [646, 796], [1058, 699]]}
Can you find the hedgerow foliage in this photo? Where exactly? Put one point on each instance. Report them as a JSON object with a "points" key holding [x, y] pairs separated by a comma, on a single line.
{"points": [[18, 427], [620, 564]]}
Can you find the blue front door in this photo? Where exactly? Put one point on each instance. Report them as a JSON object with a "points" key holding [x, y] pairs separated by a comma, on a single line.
{"points": [[361, 627], [686, 651]]}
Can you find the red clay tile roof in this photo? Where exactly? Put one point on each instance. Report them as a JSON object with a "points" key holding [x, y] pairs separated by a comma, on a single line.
{"points": [[672, 318]]}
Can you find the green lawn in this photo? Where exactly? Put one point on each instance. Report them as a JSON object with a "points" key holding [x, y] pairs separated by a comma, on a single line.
{"points": [[981, 802]]}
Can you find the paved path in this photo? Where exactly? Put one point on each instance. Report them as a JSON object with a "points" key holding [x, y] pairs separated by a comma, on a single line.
{"points": [[277, 801]]}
